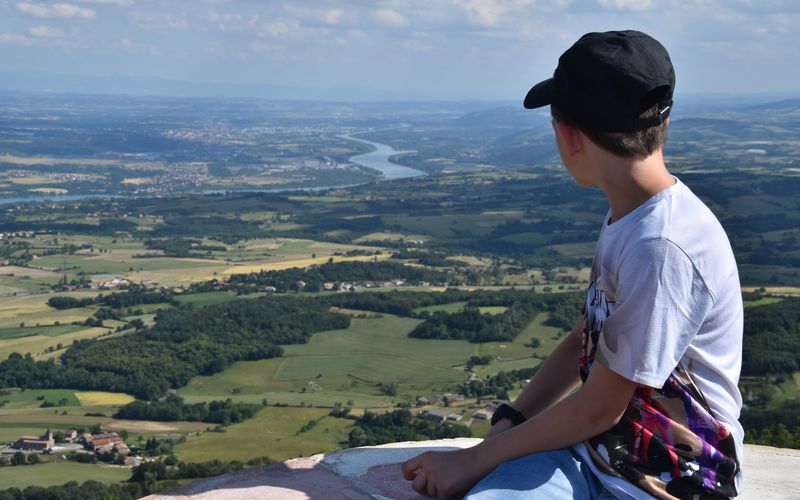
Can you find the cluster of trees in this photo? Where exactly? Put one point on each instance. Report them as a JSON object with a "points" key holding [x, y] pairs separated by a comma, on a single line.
{"points": [[498, 385], [146, 478], [351, 271], [88, 490], [777, 435], [400, 425], [561, 305], [470, 324], [772, 338], [477, 360], [426, 258], [149, 472], [179, 247], [20, 458], [172, 408], [183, 343], [133, 296]]}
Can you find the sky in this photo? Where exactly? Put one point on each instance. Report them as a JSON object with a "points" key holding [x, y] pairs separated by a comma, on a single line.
{"points": [[382, 49]]}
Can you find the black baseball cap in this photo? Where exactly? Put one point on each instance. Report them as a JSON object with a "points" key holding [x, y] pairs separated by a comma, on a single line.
{"points": [[605, 80]]}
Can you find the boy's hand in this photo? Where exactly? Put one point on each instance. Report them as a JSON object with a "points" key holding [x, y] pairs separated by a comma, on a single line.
{"points": [[444, 474]]}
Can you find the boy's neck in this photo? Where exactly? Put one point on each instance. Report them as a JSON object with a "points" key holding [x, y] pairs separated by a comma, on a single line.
{"points": [[629, 182]]}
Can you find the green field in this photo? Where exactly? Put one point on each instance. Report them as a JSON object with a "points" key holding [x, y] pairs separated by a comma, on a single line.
{"points": [[47, 331], [518, 353], [450, 308], [273, 433], [342, 365], [57, 473], [37, 345], [28, 398]]}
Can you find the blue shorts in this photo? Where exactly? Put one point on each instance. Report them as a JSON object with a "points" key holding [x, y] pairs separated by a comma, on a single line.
{"points": [[547, 475]]}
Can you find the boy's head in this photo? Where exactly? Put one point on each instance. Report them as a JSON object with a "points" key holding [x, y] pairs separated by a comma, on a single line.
{"points": [[616, 87]]}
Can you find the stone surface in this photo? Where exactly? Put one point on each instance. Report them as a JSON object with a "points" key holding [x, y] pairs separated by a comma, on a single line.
{"points": [[373, 472]]}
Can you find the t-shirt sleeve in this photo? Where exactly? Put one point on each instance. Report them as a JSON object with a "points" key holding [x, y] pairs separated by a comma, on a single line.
{"points": [[660, 303]]}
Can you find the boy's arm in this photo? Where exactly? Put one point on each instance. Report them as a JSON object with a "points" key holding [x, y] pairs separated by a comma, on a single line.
{"points": [[556, 377], [594, 409]]}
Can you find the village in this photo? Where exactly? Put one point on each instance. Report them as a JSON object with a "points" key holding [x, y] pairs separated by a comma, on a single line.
{"points": [[71, 444]]}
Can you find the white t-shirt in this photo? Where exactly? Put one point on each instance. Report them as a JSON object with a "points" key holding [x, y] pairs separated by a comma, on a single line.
{"points": [[665, 291]]}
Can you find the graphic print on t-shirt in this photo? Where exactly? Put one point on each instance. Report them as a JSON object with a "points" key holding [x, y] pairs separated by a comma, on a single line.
{"points": [[667, 443]]}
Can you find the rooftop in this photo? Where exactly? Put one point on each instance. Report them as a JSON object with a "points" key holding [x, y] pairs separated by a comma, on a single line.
{"points": [[373, 472]]}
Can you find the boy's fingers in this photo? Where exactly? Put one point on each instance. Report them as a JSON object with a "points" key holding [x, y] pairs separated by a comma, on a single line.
{"points": [[420, 483], [410, 467]]}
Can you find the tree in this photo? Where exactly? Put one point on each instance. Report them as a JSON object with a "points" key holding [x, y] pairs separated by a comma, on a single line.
{"points": [[33, 458], [18, 458]]}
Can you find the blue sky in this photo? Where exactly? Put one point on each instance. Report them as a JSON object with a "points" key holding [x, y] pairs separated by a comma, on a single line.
{"points": [[451, 49]]}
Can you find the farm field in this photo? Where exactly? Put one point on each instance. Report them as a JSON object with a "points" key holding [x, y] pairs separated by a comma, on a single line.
{"points": [[38, 345], [273, 433], [341, 365], [51, 474], [33, 398], [289, 262], [97, 398], [519, 353]]}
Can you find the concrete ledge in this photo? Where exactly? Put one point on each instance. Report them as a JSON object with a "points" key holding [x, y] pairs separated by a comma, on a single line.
{"points": [[373, 472]]}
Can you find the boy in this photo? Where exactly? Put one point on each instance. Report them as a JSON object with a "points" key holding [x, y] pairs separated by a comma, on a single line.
{"points": [[658, 347]]}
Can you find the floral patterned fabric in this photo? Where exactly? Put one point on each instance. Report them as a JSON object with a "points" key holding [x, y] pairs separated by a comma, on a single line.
{"points": [[667, 442]]}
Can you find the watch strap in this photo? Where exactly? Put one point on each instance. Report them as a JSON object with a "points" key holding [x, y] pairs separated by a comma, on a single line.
{"points": [[509, 412]]}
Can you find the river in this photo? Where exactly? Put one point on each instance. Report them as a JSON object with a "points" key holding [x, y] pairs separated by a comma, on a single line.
{"points": [[377, 160]]}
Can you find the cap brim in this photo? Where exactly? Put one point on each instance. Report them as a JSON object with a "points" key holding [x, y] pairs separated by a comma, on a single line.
{"points": [[540, 95]]}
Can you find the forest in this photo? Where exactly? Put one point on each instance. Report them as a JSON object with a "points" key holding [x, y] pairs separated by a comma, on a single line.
{"points": [[172, 408], [399, 425], [184, 342]]}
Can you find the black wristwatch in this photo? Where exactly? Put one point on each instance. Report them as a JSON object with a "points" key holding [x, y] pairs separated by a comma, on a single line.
{"points": [[507, 411]]}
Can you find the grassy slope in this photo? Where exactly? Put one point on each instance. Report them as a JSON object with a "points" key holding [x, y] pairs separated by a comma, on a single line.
{"points": [[51, 474], [272, 432]]}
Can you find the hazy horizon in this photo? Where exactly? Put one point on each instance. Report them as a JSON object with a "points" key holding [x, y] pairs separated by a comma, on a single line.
{"points": [[387, 50]]}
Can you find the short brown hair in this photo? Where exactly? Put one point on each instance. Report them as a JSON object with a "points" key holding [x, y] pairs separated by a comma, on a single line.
{"points": [[624, 144]]}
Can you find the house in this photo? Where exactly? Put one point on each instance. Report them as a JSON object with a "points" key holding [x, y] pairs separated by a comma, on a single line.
{"points": [[437, 415], [33, 443], [69, 434], [482, 414], [452, 398], [103, 443]]}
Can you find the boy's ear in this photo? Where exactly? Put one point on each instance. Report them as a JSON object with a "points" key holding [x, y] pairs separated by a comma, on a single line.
{"points": [[571, 137]]}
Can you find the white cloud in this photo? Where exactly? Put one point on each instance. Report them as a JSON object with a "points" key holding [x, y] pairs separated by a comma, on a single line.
{"points": [[627, 4], [43, 31], [15, 39], [158, 21], [232, 22], [491, 12], [280, 29], [109, 2], [69, 10], [65, 10], [332, 16], [33, 9], [391, 18]]}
